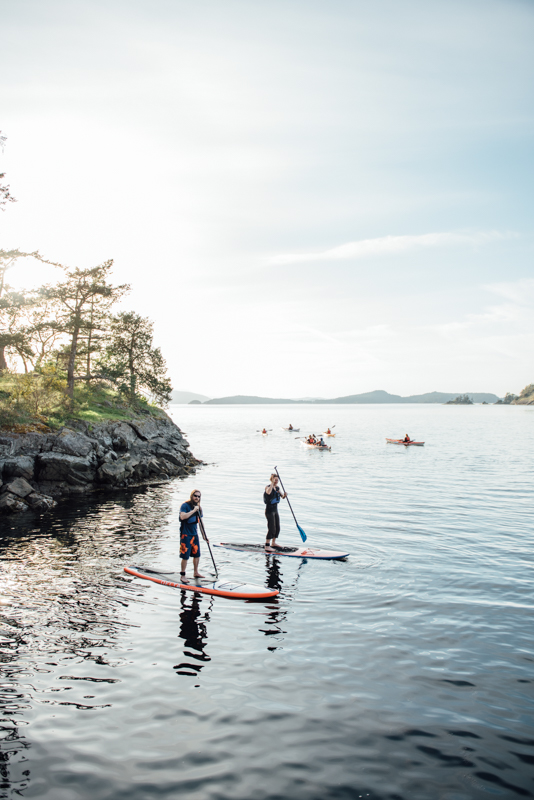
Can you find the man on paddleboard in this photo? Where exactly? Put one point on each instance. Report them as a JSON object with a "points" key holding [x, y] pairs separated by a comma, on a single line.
{"points": [[189, 541], [271, 498]]}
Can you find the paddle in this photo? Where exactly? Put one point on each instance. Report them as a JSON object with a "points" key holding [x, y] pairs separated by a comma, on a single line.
{"points": [[203, 529], [302, 534]]}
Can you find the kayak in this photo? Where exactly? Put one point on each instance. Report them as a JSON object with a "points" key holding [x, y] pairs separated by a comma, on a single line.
{"points": [[293, 552], [401, 441], [241, 591], [328, 434], [291, 430], [315, 446]]}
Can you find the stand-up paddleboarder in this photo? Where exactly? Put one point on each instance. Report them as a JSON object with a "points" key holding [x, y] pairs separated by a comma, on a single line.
{"points": [[189, 541], [271, 498]]}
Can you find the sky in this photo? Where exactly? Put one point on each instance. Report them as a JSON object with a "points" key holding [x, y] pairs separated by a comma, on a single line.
{"points": [[310, 198]]}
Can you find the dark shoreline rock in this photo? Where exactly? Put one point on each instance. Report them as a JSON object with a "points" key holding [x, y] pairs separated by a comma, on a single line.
{"points": [[37, 468]]}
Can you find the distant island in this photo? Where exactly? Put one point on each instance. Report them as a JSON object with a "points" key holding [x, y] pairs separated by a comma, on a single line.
{"points": [[378, 396], [461, 400]]}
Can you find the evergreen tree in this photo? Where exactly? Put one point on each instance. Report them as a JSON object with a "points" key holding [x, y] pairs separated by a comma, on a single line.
{"points": [[131, 361], [83, 300]]}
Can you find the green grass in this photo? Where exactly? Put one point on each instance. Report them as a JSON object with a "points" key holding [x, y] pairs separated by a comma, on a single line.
{"points": [[93, 403]]}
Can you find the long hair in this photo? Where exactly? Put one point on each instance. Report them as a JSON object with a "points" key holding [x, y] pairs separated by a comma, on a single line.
{"points": [[192, 501]]}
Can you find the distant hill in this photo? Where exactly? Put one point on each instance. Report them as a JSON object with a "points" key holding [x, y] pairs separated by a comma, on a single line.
{"points": [[186, 397], [378, 396], [245, 399]]}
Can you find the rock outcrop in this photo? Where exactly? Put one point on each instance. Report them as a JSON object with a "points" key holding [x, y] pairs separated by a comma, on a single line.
{"points": [[36, 468]]}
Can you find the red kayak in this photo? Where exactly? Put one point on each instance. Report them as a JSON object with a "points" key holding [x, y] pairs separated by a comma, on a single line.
{"points": [[401, 441]]}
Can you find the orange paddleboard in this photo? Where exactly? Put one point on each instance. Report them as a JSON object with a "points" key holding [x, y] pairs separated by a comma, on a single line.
{"points": [[241, 591]]}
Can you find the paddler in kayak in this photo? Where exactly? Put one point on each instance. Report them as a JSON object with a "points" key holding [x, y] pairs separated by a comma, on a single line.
{"points": [[189, 541], [328, 431], [406, 439], [271, 498], [290, 427], [264, 431]]}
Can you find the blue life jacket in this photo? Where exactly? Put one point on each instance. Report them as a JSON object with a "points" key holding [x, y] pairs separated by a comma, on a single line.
{"points": [[271, 500]]}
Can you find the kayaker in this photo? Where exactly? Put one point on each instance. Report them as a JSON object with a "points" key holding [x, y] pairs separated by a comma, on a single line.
{"points": [[290, 427], [189, 541], [321, 442], [406, 439], [271, 498], [328, 431], [264, 431]]}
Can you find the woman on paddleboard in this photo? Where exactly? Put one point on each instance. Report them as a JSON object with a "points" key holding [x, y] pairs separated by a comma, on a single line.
{"points": [[271, 498], [189, 541]]}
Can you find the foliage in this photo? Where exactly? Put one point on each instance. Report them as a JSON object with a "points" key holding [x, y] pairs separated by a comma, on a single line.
{"points": [[83, 301], [56, 331], [5, 194], [507, 400], [461, 400], [131, 361], [93, 402], [38, 392]]}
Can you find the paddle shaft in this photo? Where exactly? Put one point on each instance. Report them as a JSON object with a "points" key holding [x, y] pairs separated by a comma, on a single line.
{"points": [[203, 529], [289, 504]]}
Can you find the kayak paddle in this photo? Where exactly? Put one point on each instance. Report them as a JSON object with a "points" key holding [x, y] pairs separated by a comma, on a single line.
{"points": [[203, 529], [302, 534]]}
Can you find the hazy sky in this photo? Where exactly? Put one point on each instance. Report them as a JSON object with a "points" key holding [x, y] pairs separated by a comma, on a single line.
{"points": [[309, 198]]}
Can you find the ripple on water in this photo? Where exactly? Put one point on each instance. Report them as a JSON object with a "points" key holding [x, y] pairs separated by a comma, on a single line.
{"points": [[405, 671]]}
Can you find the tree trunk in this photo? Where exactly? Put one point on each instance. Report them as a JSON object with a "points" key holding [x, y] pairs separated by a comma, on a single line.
{"points": [[89, 342], [72, 359], [3, 362], [133, 377]]}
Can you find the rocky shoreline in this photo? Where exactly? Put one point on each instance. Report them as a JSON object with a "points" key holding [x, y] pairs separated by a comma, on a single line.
{"points": [[36, 469]]}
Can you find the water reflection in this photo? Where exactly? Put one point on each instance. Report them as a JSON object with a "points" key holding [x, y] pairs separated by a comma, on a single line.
{"points": [[63, 596], [194, 632]]}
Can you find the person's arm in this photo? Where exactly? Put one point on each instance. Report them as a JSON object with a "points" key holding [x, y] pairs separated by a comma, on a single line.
{"points": [[269, 488], [184, 515]]}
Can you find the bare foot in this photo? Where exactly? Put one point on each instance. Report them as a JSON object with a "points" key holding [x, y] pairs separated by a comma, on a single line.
{"points": [[183, 579], [198, 575]]}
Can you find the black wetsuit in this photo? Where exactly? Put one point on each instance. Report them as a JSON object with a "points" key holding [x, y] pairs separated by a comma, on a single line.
{"points": [[271, 513]]}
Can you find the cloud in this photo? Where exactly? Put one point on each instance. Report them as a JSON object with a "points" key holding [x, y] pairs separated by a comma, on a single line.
{"points": [[391, 245], [520, 292]]}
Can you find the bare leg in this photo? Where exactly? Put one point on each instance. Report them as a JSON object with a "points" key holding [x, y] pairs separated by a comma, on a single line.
{"points": [[195, 565], [183, 567]]}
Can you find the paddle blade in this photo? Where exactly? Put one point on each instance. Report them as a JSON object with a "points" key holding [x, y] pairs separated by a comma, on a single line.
{"points": [[302, 534]]}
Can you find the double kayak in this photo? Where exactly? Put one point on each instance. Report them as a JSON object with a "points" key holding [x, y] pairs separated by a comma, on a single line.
{"points": [[406, 444], [293, 552], [240, 591], [315, 446]]}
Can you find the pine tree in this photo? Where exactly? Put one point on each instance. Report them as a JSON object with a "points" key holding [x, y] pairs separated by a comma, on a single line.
{"points": [[131, 361], [84, 300]]}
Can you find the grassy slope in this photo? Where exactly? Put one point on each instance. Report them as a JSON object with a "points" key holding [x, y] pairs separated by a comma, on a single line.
{"points": [[93, 404]]}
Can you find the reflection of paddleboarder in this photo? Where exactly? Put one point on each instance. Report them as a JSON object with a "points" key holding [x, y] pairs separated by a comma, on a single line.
{"points": [[271, 498], [189, 541]]}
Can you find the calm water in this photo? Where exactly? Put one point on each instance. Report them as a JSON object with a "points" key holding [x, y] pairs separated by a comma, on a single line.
{"points": [[406, 671]]}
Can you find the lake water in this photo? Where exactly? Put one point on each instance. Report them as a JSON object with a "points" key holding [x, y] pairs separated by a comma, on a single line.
{"points": [[405, 672]]}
